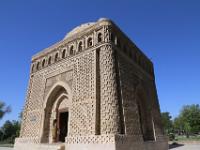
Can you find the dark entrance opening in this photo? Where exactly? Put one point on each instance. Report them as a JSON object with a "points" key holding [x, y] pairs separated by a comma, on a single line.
{"points": [[62, 126]]}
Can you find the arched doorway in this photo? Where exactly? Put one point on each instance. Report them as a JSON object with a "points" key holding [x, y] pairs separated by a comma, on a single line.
{"points": [[56, 115]]}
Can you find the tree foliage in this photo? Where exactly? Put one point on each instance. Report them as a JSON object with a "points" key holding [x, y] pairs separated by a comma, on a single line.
{"points": [[167, 122], [178, 125], [9, 131], [3, 109], [188, 119], [187, 122]]}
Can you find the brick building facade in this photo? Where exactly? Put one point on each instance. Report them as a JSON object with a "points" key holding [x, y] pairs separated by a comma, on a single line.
{"points": [[93, 90]]}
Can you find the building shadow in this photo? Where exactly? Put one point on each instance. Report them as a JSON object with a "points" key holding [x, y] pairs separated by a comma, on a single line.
{"points": [[174, 145]]}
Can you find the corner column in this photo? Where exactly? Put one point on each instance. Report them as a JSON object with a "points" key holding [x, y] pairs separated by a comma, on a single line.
{"points": [[110, 116]]}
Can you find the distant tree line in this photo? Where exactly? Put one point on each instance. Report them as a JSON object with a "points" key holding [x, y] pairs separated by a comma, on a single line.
{"points": [[10, 129], [186, 123]]}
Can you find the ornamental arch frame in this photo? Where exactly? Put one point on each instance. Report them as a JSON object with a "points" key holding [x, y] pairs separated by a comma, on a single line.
{"points": [[55, 96]]}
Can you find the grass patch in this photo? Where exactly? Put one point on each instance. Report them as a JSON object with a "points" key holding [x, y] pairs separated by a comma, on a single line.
{"points": [[6, 145], [184, 138]]}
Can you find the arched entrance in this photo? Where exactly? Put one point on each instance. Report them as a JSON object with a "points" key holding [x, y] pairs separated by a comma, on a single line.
{"points": [[56, 115]]}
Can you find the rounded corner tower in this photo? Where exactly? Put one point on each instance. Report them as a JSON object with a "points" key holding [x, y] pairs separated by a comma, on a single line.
{"points": [[93, 90]]}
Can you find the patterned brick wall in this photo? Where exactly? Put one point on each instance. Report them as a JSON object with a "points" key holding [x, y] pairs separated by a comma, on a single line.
{"points": [[138, 88], [110, 118], [32, 114], [129, 80], [82, 121]]}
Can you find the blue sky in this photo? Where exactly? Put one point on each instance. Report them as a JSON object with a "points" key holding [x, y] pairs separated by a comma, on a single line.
{"points": [[167, 31]]}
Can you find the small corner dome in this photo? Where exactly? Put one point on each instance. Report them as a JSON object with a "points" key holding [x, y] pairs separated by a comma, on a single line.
{"points": [[79, 29]]}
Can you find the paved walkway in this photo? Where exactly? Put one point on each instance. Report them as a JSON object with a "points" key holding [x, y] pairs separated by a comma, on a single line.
{"points": [[5, 148], [175, 147]]}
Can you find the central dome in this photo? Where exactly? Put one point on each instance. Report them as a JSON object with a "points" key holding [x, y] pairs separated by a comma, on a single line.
{"points": [[83, 27], [79, 29]]}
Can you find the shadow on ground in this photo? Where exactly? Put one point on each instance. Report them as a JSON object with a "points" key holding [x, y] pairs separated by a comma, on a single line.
{"points": [[174, 145]]}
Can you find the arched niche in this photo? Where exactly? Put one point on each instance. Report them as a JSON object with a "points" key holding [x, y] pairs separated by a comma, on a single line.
{"points": [[145, 116], [57, 104]]}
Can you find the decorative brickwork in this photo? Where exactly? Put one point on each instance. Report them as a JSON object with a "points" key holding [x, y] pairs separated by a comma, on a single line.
{"points": [[110, 118], [92, 90], [129, 81]]}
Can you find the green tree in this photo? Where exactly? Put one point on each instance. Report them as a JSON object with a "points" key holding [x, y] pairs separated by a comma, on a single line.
{"points": [[3, 109], [178, 125], [1, 135], [167, 122], [191, 115], [188, 119], [187, 128], [10, 130]]}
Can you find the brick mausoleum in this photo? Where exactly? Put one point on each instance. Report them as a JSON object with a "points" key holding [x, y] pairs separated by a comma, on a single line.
{"points": [[93, 90]]}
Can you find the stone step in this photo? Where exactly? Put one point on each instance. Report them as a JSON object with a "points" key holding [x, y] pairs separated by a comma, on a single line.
{"points": [[56, 146]]}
